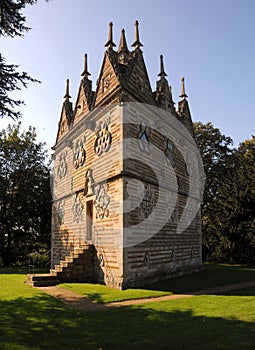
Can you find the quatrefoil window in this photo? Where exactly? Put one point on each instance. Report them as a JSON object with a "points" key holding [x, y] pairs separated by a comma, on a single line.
{"points": [[79, 154]]}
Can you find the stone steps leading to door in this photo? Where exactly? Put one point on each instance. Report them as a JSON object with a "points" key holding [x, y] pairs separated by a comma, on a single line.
{"points": [[76, 267]]}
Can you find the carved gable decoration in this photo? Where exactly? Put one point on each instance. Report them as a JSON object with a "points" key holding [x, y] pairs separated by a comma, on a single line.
{"points": [[81, 107], [84, 100], [102, 201], [139, 80], [66, 117], [105, 83], [107, 79], [64, 122]]}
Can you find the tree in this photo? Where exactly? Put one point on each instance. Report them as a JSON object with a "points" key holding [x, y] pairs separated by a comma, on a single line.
{"points": [[215, 149], [228, 208], [237, 202], [10, 79], [12, 23], [24, 195]]}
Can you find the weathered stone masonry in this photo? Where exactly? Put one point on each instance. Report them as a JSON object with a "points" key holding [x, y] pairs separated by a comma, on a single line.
{"points": [[93, 169]]}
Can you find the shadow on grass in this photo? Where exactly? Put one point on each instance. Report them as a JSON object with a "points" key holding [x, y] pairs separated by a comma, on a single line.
{"points": [[23, 270], [210, 276], [42, 322]]}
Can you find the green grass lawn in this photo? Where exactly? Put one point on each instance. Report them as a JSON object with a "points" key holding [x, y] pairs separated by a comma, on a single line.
{"points": [[104, 294], [210, 276], [31, 319]]}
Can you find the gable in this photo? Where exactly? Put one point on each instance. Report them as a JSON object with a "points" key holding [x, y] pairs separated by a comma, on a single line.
{"points": [[65, 120], [107, 82], [82, 105], [138, 82]]}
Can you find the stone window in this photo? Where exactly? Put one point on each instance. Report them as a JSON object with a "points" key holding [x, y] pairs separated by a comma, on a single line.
{"points": [[170, 151], [144, 133]]}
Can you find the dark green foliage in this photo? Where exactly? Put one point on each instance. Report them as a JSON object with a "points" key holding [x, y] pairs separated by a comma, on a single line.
{"points": [[10, 81], [237, 203], [12, 20], [24, 195], [228, 209], [12, 23]]}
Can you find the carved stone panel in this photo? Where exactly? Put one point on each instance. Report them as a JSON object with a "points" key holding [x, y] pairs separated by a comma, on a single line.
{"points": [[89, 183], [102, 201], [60, 209], [146, 259], [146, 202], [79, 153], [77, 209], [62, 165], [172, 207], [103, 138]]}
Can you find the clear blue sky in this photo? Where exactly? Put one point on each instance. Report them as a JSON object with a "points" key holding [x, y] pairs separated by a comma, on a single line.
{"points": [[209, 42]]}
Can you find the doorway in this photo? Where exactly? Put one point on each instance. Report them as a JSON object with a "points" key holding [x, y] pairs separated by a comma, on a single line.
{"points": [[89, 219]]}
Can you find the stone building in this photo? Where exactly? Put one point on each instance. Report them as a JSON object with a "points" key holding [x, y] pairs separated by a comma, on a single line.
{"points": [[126, 187]]}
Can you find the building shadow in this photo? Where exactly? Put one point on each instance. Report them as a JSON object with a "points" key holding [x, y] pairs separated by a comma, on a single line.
{"points": [[42, 322]]}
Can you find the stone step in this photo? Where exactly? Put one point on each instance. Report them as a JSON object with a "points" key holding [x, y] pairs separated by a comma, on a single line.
{"points": [[42, 280], [69, 259], [74, 256], [53, 272], [45, 283], [58, 268], [66, 269], [63, 264], [78, 251]]}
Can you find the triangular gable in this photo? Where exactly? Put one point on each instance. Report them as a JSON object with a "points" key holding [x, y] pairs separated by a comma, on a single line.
{"points": [[65, 120], [184, 113], [83, 103], [107, 81], [138, 79]]}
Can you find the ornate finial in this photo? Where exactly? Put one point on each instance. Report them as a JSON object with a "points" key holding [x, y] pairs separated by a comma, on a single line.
{"points": [[136, 44], [110, 43], [183, 94], [123, 43], [85, 72], [67, 96], [162, 72]]}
